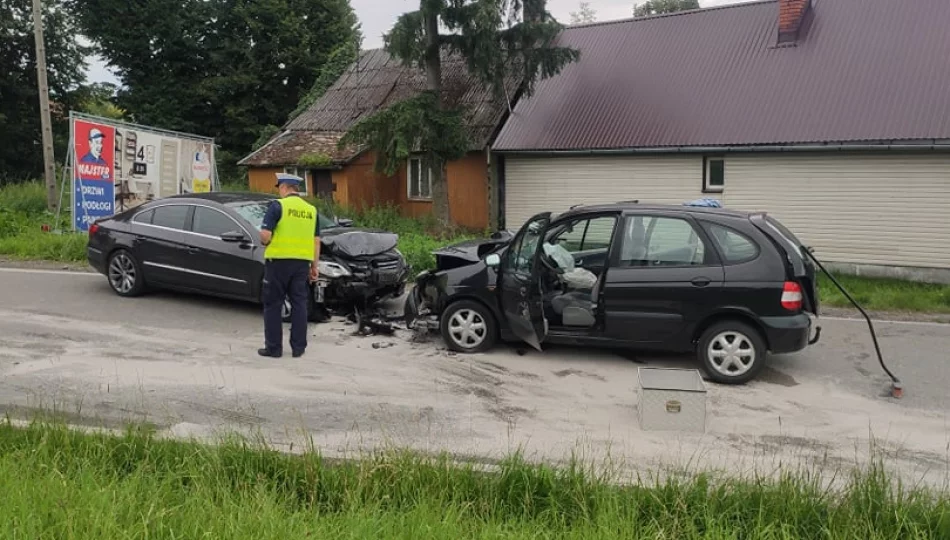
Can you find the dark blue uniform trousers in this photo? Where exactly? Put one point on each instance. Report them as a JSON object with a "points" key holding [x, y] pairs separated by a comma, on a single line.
{"points": [[285, 278]]}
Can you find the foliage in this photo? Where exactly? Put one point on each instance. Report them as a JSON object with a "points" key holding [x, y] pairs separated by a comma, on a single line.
{"points": [[415, 124], [61, 483], [20, 128], [98, 99], [585, 15], [657, 7], [220, 68], [315, 160], [340, 59]]}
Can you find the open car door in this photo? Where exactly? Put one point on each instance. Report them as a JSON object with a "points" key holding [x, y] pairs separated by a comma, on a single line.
{"points": [[520, 292]]}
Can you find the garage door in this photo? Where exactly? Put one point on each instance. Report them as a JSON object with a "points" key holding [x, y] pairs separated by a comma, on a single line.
{"points": [[534, 185]]}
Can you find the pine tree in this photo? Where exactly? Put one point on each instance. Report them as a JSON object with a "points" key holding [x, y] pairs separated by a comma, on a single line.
{"points": [[497, 39]]}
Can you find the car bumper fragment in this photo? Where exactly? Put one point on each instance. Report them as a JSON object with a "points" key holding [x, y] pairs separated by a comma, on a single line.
{"points": [[96, 258], [791, 334]]}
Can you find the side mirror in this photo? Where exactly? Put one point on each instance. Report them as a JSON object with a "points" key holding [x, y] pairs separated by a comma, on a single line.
{"points": [[234, 237], [345, 222], [493, 260]]}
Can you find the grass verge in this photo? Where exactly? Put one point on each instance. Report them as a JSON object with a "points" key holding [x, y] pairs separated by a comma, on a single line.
{"points": [[60, 483], [878, 294]]}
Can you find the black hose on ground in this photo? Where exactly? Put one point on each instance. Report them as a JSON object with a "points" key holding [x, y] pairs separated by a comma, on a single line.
{"points": [[897, 390]]}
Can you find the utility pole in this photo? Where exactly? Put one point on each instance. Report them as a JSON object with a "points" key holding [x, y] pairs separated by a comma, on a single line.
{"points": [[51, 200]]}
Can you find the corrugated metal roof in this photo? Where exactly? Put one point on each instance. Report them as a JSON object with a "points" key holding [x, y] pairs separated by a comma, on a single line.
{"points": [[864, 70], [375, 82]]}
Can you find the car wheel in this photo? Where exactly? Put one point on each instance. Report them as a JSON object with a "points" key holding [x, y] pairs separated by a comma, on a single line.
{"points": [[125, 274], [732, 352], [468, 327], [313, 313]]}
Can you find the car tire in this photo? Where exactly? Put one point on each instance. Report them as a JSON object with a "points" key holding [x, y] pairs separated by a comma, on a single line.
{"points": [[312, 315], [481, 332], [727, 366], [125, 274]]}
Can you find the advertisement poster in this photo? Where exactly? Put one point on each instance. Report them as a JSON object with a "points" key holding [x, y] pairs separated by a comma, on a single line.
{"points": [[117, 166], [94, 172], [196, 167], [138, 167]]}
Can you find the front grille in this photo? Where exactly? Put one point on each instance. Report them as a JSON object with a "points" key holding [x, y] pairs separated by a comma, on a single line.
{"points": [[387, 271], [386, 265]]}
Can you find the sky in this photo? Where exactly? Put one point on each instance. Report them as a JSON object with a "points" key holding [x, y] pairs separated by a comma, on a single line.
{"points": [[378, 16]]}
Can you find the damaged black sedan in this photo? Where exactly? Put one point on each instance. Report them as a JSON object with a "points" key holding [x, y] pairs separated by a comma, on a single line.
{"points": [[209, 243], [727, 285]]}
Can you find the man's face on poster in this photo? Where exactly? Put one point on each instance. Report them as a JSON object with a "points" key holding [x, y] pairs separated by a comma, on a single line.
{"points": [[95, 143]]}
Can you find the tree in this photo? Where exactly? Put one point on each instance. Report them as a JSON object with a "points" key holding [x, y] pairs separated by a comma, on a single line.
{"points": [[496, 38], [222, 68], [586, 14], [21, 155], [657, 7], [98, 99]]}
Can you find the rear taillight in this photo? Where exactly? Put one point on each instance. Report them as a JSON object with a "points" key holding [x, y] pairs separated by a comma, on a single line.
{"points": [[792, 296], [93, 229]]}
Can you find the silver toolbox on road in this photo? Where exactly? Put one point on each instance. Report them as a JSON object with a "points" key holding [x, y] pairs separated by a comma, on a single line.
{"points": [[671, 400]]}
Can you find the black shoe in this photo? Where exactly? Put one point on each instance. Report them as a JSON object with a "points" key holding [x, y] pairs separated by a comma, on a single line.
{"points": [[271, 354], [298, 354]]}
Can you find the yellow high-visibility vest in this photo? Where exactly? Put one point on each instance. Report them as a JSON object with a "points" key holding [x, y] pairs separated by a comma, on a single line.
{"points": [[294, 235]]}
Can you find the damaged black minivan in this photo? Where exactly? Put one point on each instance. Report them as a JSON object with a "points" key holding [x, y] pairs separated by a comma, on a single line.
{"points": [[730, 286]]}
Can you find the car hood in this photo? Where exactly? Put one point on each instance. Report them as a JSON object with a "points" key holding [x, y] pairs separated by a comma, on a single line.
{"points": [[470, 251], [358, 242]]}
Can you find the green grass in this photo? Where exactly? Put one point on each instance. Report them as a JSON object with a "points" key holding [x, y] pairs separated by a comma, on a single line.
{"points": [[876, 294], [58, 483]]}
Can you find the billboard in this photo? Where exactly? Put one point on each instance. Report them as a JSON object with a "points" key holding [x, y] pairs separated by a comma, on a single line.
{"points": [[117, 166]]}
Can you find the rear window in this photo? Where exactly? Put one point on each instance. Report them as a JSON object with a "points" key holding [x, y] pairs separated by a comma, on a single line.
{"points": [[735, 247]]}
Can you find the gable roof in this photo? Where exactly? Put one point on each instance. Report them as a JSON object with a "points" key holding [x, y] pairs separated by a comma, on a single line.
{"points": [[863, 71], [373, 83]]}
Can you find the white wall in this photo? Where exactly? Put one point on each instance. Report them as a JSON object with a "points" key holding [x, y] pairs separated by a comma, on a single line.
{"points": [[885, 209]]}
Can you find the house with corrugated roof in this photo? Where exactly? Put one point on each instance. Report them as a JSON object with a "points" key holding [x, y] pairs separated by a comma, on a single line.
{"points": [[833, 115], [308, 144]]}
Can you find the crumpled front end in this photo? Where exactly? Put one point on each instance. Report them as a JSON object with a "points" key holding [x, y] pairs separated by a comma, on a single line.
{"points": [[424, 302]]}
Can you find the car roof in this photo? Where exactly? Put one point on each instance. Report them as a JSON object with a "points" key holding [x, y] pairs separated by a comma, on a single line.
{"points": [[225, 197], [634, 206]]}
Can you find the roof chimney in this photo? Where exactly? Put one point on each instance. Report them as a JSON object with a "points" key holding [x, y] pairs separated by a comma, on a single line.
{"points": [[791, 15]]}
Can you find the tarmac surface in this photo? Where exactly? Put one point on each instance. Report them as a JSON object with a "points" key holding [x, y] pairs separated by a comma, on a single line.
{"points": [[188, 365]]}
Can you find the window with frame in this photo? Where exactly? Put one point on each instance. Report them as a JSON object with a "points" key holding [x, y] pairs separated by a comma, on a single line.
{"points": [[418, 180], [735, 247], [661, 241], [211, 222], [714, 175], [171, 216], [302, 173], [586, 234], [143, 217]]}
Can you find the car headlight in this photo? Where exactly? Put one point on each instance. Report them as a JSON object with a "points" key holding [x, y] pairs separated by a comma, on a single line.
{"points": [[332, 269]]}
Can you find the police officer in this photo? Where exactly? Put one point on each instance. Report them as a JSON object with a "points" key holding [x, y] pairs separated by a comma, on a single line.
{"points": [[291, 233]]}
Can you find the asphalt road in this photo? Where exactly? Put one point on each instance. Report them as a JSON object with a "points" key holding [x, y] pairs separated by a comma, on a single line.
{"points": [[189, 365]]}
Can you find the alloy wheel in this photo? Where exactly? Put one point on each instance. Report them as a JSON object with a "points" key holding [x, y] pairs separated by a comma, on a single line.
{"points": [[122, 274], [468, 328], [731, 353]]}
